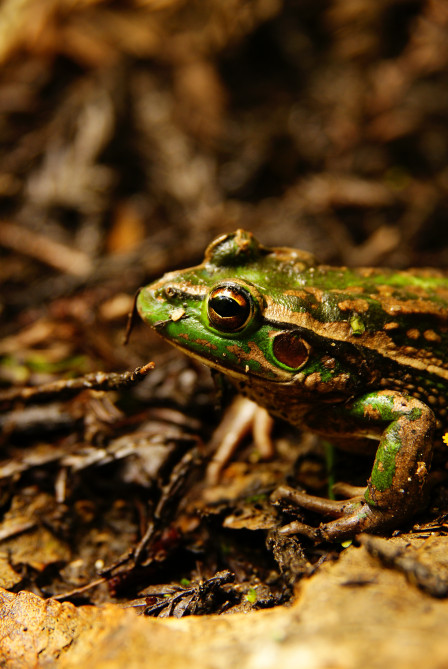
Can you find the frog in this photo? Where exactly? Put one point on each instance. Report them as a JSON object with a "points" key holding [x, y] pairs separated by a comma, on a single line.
{"points": [[357, 356]]}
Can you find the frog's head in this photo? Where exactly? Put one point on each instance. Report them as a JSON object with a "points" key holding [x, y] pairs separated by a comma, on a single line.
{"points": [[223, 313]]}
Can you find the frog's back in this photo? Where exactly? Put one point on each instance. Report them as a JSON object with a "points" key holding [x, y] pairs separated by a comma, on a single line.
{"points": [[399, 316]]}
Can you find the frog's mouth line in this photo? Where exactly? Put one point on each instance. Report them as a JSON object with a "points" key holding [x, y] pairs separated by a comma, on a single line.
{"points": [[283, 377]]}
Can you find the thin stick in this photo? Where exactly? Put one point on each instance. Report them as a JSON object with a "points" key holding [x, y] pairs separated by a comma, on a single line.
{"points": [[46, 250]]}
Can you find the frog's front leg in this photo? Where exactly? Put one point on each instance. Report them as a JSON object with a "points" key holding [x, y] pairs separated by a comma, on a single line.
{"points": [[395, 487]]}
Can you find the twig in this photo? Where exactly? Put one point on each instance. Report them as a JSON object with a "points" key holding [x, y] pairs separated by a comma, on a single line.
{"points": [[70, 387], [46, 250], [80, 590]]}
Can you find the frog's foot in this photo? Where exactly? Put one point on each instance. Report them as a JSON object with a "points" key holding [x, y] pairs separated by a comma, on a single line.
{"points": [[352, 515], [241, 417]]}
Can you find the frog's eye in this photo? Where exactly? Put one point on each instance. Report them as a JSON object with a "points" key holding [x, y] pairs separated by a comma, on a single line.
{"points": [[230, 307], [290, 349]]}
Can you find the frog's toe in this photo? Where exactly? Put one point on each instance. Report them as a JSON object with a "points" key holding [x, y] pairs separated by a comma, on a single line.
{"points": [[296, 527], [285, 495], [352, 515], [336, 530], [364, 519], [346, 527]]}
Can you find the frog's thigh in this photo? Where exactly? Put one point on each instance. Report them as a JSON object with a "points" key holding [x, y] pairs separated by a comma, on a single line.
{"points": [[404, 453]]}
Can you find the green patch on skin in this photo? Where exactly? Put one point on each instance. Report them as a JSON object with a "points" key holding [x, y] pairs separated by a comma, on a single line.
{"points": [[407, 280], [326, 375], [384, 466], [238, 248], [415, 414], [367, 406], [382, 407]]}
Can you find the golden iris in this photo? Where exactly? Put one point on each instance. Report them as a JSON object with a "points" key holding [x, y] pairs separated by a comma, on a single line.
{"points": [[230, 307]]}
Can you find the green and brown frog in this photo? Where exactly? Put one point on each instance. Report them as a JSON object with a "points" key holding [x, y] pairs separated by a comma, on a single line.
{"points": [[356, 355]]}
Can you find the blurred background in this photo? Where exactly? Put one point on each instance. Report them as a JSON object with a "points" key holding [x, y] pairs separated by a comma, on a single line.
{"points": [[134, 132]]}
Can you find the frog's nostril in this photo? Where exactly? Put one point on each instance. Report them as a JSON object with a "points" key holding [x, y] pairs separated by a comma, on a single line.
{"points": [[170, 291]]}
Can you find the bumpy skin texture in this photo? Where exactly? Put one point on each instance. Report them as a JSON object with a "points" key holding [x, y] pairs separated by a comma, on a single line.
{"points": [[352, 354]]}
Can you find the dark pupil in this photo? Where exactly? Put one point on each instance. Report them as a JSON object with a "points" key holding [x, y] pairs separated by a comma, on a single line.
{"points": [[227, 307]]}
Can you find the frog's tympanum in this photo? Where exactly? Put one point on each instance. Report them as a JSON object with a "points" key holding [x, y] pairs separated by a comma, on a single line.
{"points": [[350, 354]]}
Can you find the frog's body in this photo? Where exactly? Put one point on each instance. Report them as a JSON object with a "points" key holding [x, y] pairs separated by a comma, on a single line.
{"points": [[348, 353]]}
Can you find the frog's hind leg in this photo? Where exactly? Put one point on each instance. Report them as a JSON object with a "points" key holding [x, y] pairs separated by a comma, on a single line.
{"points": [[399, 475]]}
